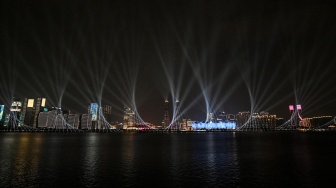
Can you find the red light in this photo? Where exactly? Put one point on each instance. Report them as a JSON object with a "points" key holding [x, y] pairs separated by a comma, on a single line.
{"points": [[291, 107]]}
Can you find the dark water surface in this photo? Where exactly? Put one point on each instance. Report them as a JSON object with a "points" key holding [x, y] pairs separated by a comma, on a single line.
{"points": [[245, 159]]}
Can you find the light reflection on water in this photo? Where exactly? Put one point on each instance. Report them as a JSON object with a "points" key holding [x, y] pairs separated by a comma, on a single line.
{"points": [[167, 160], [127, 160], [90, 161]]}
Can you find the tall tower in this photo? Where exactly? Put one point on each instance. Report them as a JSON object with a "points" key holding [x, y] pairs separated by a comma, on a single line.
{"points": [[292, 120], [128, 122], [93, 109], [40, 102], [166, 121], [177, 121]]}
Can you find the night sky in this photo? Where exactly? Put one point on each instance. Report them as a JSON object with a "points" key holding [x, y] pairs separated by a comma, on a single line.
{"points": [[235, 55]]}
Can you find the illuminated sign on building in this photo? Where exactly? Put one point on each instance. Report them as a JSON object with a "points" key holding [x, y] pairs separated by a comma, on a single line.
{"points": [[16, 106], [43, 102], [30, 103], [210, 126], [94, 111], [291, 108], [16, 103], [298, 107]]}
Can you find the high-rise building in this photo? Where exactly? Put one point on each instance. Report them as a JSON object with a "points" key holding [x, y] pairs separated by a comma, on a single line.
{"points": [[39, 104], [221, 117], [257, 121], [231, 117], [31, 110], [51, 119], [242, 118], [128, 121], [210, 118], [316, 122], [183, 124], [2, 107], [186, 124], [60, 122], [73, 121], [86, 121], [43, 119], [166, 120], [24, 110], [107, 111], [14, 118], [95, 115], [93, 110], [101, 115]]}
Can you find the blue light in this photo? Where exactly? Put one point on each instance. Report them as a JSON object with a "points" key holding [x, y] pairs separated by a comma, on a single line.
{"points": [[209, 126], [1, 111], [94, 111]]}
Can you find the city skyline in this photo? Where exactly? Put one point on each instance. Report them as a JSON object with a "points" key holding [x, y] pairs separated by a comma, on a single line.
{"points": [[210, 55]]}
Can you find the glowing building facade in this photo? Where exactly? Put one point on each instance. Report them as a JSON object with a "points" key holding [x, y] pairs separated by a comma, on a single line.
{"points": [[316, 122], [73, 121], [128, 121], [31, 109], [107, 111], [2, 108], [13, 119], [242, 118], [93, 109], [40, 103], [86, 121], [230, 125], [43, 119], [166, 120], [60, 122], [256, 121]]}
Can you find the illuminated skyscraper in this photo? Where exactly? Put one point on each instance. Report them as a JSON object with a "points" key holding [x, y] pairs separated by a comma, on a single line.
{"points": [[221, 117], [256, 121], [107, 111], [86, 121], [166, 120], [60, 122], [40, 103], [242, 118], [210, 118], [73, 121], [128, 122], [2, 107], [93, 110], [14, 118], [177, 120], [24, 110], [51, 119], [30, 111], [43, 120]]}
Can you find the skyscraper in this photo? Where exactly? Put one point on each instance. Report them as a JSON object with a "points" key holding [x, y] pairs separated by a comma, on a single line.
{"points": [[86, 121], [93, 110], [43, 120], [2, 107], [107, 111], [128, 121], [166, 120], [40, 103]]}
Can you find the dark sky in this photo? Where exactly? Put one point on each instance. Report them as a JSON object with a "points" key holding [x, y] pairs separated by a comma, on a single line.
{"points": [[235, 55]]}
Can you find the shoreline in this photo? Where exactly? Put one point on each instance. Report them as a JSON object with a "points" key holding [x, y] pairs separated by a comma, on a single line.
{"points": [[158, 131]]}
